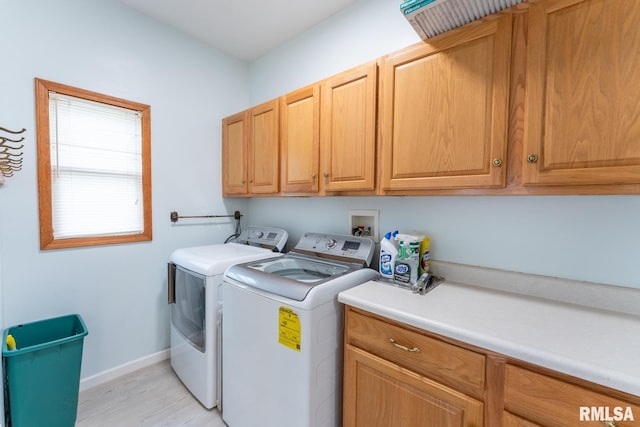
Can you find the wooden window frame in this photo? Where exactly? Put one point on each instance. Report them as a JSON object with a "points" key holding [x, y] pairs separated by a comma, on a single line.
{"points": [[47, 240]]}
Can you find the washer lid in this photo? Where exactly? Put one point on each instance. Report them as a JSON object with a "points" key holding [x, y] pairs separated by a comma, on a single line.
{"points": [[212, 260], [291, 276]]}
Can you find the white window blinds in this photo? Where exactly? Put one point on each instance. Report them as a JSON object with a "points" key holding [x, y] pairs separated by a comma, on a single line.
{"points": [[96, 168]]}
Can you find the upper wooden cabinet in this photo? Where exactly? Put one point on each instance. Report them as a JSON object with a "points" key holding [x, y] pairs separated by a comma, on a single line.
{"points": [[234, 155], [348, 129], [250, 151], [582, 116], [444, 110], [300, 138], [328, 134], [264, 152], [539, 99]]}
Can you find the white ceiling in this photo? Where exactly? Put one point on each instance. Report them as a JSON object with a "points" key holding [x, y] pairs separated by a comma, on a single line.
{"points": [[246, 29]]}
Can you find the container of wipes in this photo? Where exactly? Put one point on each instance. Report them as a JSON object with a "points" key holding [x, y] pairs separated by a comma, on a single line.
{"points": [[407, 263], [413, 258]]}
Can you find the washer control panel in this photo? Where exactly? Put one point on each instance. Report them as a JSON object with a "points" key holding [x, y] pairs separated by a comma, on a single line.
{"points": [[347, 248], [265, 237]]}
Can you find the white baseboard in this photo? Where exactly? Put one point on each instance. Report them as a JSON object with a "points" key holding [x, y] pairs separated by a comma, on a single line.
{"points": [[124, 369]]}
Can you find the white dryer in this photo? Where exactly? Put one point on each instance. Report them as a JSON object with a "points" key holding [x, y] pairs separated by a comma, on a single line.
{"points": [[283, 333], [194, 278]]}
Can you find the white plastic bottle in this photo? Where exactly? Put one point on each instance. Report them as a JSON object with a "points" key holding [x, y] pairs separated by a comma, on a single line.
{"points": [[388, 254]]}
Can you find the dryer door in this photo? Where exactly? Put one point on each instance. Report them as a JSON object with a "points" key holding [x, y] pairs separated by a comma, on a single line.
{"points": [[188, 312]]}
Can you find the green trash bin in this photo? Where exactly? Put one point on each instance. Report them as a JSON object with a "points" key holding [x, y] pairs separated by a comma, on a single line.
{"points": [[42, 374]]}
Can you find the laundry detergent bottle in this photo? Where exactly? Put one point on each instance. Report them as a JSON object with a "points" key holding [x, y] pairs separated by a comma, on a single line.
{"points": [[388, 254]]}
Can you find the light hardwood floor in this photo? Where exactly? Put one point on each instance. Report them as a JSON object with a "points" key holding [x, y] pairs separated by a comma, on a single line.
{"points": [[150, 397]]}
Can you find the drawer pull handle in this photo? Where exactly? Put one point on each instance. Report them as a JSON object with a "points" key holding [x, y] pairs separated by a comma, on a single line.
{"points": [[609, 423], [404, 347]]}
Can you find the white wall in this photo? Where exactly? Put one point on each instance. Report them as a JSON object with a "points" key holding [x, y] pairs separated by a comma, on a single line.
{"points": [[364, 31], [581, 238], [102, 46]]}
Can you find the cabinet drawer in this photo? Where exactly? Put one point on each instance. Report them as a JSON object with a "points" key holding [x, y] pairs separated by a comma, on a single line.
{"points": [[441, 361], [553, 402]]}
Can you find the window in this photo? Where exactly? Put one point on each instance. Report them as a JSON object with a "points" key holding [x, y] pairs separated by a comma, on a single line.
{"points": [[94, 168]]}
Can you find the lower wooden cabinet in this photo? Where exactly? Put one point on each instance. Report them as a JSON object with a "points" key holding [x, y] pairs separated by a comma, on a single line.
{"points": [[553, 402], [510, 420], [380, 393], [398, 375]]}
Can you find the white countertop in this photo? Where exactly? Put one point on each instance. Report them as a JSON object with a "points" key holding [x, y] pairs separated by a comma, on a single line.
{"points": [[597, 345]]}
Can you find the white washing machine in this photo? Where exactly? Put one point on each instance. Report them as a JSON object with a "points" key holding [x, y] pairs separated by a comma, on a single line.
{"points": [[194, 278], [282, 333]]}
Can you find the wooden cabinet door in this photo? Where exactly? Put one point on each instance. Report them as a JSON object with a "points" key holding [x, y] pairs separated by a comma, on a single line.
{"points": [[378, 393], [582, 116], [444, 110], [234, 155], [348, 129], [300, 138], [510, 420], [264, 149]]}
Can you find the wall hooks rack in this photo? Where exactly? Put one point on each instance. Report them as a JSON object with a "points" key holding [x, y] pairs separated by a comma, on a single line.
{"points": [[175, 216], [10, 156]]}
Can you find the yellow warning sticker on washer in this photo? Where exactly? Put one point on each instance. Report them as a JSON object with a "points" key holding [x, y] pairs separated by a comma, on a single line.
{"points": [[289, 331]]}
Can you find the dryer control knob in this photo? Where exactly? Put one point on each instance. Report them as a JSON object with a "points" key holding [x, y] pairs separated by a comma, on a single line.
{"points": [[259, 234], [331, 243]]}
